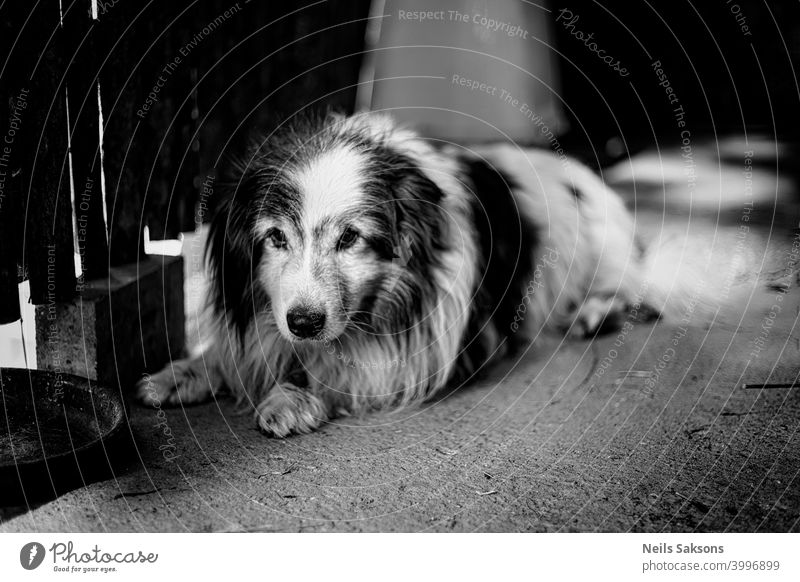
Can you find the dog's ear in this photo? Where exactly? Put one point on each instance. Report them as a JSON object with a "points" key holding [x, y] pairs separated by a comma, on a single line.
{"points": [[418, 234], [419, 221], [233, 251]]}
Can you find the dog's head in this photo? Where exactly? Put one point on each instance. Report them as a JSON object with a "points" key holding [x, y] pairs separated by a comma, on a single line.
{"points": [[331, 227]]}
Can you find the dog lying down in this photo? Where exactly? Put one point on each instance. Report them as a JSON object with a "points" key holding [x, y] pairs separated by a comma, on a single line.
{"points": [[356, 266]]}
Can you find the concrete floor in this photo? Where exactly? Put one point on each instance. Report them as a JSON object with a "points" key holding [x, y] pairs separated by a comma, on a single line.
{"points": [[545, 443]]}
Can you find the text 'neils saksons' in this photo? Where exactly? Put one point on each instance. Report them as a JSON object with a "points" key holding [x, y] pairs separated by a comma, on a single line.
{"points": [[663, 548]]}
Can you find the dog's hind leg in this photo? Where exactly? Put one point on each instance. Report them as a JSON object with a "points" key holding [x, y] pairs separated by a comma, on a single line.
{"points": [[597, 312], [186, 381]]}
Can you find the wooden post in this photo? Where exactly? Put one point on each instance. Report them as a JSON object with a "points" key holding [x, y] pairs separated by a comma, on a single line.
{"points": [[128, 318]]}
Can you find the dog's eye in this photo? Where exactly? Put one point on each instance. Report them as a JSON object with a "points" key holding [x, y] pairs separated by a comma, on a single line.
{"points": [[348, 239], [277, 238]]}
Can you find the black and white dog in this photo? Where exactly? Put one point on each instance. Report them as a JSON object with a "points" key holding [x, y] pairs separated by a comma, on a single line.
{"points": [[355, 266]]}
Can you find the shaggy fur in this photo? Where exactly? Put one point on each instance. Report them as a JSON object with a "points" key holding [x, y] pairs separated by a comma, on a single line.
{"points": [[356, 266]]}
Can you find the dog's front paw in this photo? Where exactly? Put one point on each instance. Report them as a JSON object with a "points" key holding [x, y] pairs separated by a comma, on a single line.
{"points": [[288, 409], [181, 382]]}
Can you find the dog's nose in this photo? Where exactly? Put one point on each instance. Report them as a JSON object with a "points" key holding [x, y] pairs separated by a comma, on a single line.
{"points": [[304, 322]]}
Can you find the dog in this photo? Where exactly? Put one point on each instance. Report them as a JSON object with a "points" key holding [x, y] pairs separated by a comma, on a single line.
{"points": [[356, 266]]}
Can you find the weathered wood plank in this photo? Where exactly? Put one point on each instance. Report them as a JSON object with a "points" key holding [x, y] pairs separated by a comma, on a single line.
{"points": [[12, 17], [123, 38], [174, 173], [82, 84], [48, 238]]}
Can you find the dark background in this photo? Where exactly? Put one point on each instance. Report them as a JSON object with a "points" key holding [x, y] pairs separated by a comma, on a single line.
{"points": [[728, 83]]}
